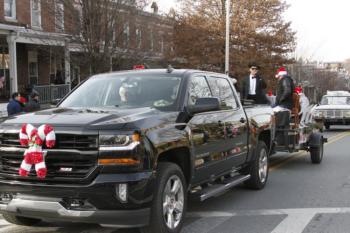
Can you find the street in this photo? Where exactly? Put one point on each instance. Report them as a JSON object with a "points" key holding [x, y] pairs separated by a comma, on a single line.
{"points": [[299, 197]]}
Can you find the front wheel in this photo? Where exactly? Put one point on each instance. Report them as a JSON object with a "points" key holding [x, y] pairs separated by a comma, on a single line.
{"points": [[169, 200], [316, 154], [259, 169]]}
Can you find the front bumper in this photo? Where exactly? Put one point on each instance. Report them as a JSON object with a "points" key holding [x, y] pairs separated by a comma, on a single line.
{"points": [[54, 210], [339, 121], [100, 203]]}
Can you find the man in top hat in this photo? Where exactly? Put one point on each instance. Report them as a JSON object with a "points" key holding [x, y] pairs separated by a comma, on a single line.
{"points": [[285, 90], [253, 86]]}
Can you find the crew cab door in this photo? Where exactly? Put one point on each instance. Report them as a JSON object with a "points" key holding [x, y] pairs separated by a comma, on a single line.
{"points": [[206, 133], [235, 123]]}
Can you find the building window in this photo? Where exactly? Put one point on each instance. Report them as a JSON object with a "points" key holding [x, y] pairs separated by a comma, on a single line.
{"points": [[138, 38], [36, 13], [59, 16], [126, 34], [10, 9]]}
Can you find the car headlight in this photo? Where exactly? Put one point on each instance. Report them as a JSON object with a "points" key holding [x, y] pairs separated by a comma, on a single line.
{"points": [[347, 113], [318, 114], [119, 149]]}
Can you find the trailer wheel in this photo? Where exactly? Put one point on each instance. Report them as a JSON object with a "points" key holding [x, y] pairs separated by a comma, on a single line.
{"points": [[316, 154]]}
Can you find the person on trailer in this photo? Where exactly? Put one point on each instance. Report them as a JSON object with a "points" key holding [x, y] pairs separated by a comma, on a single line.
{"points": [[254, 86], [285, 89]]}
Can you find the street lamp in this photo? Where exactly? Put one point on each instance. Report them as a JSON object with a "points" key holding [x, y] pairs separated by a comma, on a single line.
{"points": [[227, 49]]}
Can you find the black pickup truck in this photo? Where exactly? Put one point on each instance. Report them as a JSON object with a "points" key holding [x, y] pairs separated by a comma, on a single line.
{"points": [[132, 146]]}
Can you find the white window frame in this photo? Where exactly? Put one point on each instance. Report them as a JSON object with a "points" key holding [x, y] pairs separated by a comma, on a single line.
{"points": [[126, 34], [59, 16], [151, 39], [39, 14], [13, 11]]}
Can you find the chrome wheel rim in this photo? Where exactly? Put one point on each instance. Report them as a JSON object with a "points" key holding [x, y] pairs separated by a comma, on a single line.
{"points": [[263, 166], [173, 202]]}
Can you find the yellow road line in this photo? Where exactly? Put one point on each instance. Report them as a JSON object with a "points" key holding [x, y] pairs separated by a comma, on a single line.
{"points": [[282, 162]]}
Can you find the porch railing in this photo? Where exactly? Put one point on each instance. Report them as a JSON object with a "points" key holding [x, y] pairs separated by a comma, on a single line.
{"points": [[48, 93]]}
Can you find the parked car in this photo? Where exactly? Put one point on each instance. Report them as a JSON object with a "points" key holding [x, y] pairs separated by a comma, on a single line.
{"points": [[130, 147], [334, 109]]}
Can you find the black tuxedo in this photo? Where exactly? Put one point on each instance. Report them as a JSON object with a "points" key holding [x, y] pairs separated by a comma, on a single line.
{"points": [[260, 97]]}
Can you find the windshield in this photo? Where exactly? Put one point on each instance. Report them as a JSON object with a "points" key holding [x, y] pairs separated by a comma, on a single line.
{"points": [[335, 100], [126, 91]]}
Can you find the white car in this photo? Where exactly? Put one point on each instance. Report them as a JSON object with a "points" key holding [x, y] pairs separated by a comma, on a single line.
{"points": [[334, 109]]}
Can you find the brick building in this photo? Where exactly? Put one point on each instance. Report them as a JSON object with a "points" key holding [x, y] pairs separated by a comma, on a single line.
{"points": [[36, 47]]}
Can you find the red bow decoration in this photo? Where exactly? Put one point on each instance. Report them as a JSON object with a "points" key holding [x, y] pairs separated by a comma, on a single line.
{"points": [[34, 155]]}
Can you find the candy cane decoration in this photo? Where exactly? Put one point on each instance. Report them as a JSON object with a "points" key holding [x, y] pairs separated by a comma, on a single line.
{"points": [[35, 138]]}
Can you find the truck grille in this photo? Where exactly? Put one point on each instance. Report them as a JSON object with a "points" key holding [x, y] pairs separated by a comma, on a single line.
{"points": [[73, 158], [63, 141]]}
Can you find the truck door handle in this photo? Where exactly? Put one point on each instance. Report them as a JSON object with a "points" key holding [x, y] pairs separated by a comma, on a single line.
{"points": [[242, 120]]}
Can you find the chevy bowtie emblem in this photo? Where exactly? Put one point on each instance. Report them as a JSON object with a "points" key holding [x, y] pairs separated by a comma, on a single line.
{"points": [[66, 169]]}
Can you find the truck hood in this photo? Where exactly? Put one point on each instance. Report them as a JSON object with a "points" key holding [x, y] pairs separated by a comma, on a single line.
{"points": [[93, 118], [333, 107]]}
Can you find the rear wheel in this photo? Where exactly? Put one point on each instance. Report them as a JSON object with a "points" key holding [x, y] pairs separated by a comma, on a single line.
{"points": [[259, 169], [316, 154], [18, 220], [169, 200]]}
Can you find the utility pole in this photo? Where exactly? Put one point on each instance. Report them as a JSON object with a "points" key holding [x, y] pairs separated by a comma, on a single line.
{"points": [[227, 50]]}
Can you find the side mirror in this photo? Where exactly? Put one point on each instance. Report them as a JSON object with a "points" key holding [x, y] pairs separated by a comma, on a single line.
{"points": [[204, 105], [55, 102]]}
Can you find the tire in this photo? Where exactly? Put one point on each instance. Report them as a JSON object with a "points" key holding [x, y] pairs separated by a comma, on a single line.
{"points": [[316, 154], [259, 169], [327, 126], [167, 175], [23, 221]]}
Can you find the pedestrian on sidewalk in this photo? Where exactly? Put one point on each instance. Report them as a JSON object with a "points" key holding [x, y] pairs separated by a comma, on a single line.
{"points": [[33, 103], [14, 106], [254, 86]]}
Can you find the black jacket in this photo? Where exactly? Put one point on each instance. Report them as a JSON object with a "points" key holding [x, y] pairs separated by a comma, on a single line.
{"points": [[285, 90], [32, 106], [259, 89]]}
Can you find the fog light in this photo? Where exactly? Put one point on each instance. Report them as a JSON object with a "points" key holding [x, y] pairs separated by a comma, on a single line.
{"points": [[76, 203], [122, 192]]}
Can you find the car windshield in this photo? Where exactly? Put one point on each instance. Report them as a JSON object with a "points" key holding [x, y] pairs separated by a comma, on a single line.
{"points": [[335, 100], [126, 91]]}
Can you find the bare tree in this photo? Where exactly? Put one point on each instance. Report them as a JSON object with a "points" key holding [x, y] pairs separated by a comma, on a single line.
{"points": [[99, 29], [258, 33]]}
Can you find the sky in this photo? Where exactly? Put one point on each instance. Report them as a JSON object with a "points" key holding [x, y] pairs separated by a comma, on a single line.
{"points": [[322, 26]]}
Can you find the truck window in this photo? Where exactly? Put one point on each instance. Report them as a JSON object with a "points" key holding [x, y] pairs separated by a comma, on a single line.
{"points": [[126, 91], [198, 88], [221, 88]]}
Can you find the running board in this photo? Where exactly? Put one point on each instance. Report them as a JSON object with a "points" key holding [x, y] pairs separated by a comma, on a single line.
{"points": [[218, 188]]}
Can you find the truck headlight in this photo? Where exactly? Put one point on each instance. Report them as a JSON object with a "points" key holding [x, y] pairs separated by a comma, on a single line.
{"points": [[119, 142], [119, 149]]}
